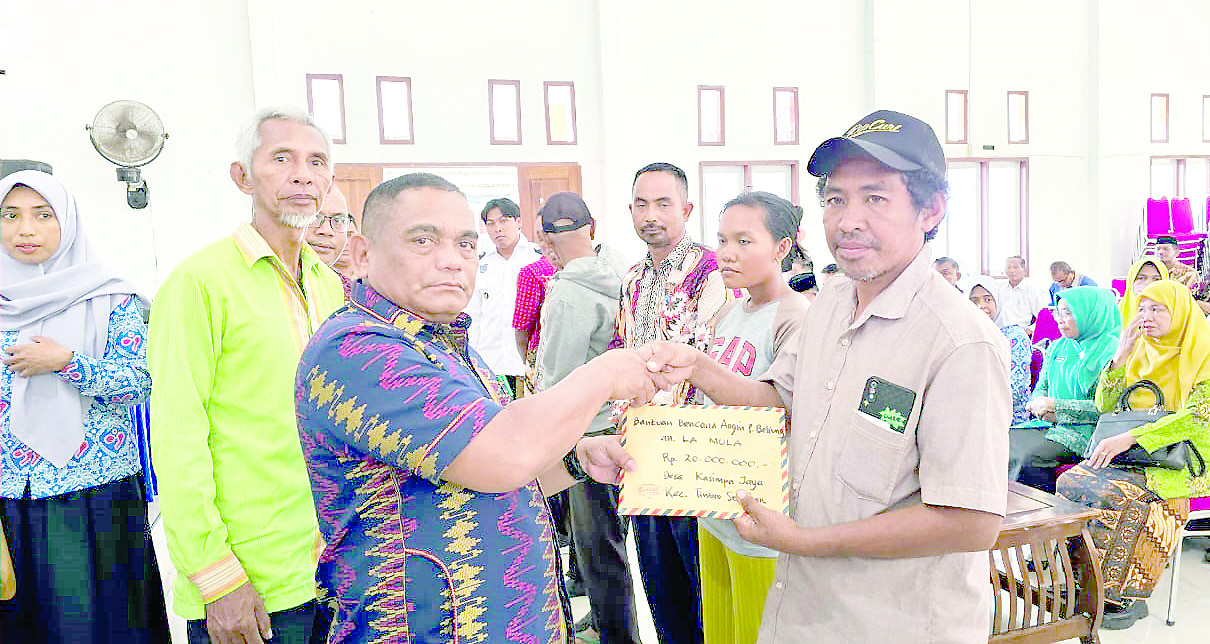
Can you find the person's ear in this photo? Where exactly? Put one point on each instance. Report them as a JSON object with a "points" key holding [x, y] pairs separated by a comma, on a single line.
{"points": [[783, 248], [241, 177], [688, 210], [933, 212], [359, 250]]}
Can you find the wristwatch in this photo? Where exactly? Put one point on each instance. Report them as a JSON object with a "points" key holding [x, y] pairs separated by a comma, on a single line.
{"points": [[572, 463]]}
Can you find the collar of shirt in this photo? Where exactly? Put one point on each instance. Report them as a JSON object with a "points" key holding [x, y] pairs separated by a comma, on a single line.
{"points": [[254, 248], [522, 251], [364, 297], [893, 301], [674, 259]]}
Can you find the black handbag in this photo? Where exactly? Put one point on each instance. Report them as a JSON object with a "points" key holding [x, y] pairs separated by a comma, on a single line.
{"points": [[1178, 456]]}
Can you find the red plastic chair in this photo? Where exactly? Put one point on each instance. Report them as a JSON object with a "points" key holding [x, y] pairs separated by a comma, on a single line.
{"points": [[1182, 215], [1045, 328], [1035, 367], [1119, 287], [1159, 216]]}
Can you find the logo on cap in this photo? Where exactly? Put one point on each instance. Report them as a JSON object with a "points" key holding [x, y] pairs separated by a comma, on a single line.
{"points": [[879, 125]]}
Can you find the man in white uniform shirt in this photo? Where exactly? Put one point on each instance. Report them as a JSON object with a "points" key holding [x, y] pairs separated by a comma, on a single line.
{"points": [[491, 306], [1022, 300]]}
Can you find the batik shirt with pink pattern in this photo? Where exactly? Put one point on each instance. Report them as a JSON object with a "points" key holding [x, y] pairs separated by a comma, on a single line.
{"points": [[386, 401], [111, 382], [673, 300]]}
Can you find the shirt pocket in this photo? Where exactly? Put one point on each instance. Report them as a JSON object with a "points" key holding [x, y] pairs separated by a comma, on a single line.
{"points": [[870, 458]]}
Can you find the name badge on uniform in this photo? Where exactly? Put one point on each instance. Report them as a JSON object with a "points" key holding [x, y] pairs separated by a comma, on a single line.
{"points": [[483, 268], [887, 402]]}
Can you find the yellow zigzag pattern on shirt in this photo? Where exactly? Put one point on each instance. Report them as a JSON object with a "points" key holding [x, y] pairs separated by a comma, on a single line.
{"points": [[471, 605]]}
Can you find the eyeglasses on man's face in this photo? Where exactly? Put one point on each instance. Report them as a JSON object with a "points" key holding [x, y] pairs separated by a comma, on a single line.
{"points": [[340, 222]]}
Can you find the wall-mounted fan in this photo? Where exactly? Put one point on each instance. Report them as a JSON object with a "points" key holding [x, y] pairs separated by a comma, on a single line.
{"points": [[129, 134]]}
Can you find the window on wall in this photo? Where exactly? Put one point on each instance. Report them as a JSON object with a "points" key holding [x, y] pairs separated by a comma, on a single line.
{"points": [[1018, 117], [1159, 118], [504, 111], [326, 103], [560, 99], [722, 181], [711, 115], [1187, 177], [986, 219], [785, 116], [395, 109], [955, 116]]}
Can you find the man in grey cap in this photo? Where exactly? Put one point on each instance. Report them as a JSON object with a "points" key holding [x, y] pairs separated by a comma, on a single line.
{"points": [[897, 484], [577, 325]]}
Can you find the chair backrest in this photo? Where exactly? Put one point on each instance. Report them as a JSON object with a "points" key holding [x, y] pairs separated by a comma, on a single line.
{"points": [[1182, 215], [1159, 216], [1119, 286], [1045, 328], [1035, 367]]}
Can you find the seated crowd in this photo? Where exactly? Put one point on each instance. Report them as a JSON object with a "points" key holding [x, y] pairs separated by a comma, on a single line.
{"points": [[368, 428]]}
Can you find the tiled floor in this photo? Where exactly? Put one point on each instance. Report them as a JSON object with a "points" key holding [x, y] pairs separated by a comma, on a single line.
{"points": [[1192, 606]]}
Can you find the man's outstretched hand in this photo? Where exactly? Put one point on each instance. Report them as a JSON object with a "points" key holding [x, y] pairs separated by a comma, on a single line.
{"points": [[670, 363], [604, 458]]}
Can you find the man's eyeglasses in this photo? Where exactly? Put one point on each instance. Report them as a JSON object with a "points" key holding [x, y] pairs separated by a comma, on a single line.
{"points": [[340, 222]]}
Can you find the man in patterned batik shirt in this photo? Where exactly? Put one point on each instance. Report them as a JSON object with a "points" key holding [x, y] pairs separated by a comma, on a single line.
{"points": [[671, 295], [429, 491]]}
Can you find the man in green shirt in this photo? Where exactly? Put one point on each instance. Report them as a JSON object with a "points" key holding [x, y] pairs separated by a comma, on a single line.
{"points": [[228, 327]]}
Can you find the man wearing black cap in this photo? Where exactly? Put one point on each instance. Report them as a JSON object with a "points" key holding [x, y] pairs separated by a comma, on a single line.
{"points": [[1169, 251], [900, 409], [577, 326]]}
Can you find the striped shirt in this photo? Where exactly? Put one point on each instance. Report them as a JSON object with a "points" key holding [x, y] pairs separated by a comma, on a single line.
{"points": [[227, 329]]}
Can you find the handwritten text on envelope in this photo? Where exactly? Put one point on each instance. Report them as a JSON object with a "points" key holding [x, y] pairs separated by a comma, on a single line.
{"points": [[691, 459]]}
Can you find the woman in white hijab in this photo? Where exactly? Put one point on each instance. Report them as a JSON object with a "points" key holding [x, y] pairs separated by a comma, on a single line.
{"points": [[985, 294], [72, 502]]}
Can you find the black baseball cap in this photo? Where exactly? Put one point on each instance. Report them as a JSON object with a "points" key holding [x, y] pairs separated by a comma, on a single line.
{"points": [[900, 141], [564, 205], [1167, 239]]}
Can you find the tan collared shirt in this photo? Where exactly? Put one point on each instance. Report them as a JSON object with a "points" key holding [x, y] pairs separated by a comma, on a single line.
{"points": [[920, 334]]}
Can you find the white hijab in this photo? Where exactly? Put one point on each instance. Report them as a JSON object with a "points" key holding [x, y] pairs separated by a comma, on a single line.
{"points": [[68, 298], [995, 288]]}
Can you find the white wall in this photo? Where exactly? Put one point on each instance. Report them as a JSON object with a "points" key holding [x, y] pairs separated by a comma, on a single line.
{"points": [[65, 60], [1089, 66]]}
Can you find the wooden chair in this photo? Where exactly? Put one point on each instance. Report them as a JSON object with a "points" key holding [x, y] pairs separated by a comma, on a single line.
{"points": [[1045, 579]]}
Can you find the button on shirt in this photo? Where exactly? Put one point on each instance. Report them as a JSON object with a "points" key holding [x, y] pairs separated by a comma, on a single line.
{"points": [[922, 335], [492, 306]]}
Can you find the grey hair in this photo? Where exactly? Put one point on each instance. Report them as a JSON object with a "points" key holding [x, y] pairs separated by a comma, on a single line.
{"points": [[376, 210], [249, 138]]}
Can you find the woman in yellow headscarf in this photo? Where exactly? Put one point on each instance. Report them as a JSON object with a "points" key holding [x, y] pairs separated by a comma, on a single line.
{"points": [[1143, 273], [1167, 342]]}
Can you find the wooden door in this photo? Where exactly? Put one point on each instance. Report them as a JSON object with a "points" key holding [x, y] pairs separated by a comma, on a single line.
{"points": [[539, 181], [356, 182]]}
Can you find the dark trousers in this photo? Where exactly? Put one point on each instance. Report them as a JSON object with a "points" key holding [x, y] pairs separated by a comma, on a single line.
{"points": [[668, 565], [599, 544], [560, 511], [1037, 458], [303, 624], [86, 569]]}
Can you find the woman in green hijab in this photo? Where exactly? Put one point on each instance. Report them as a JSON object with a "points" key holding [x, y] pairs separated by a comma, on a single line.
{"points": [[1090, 323]]}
